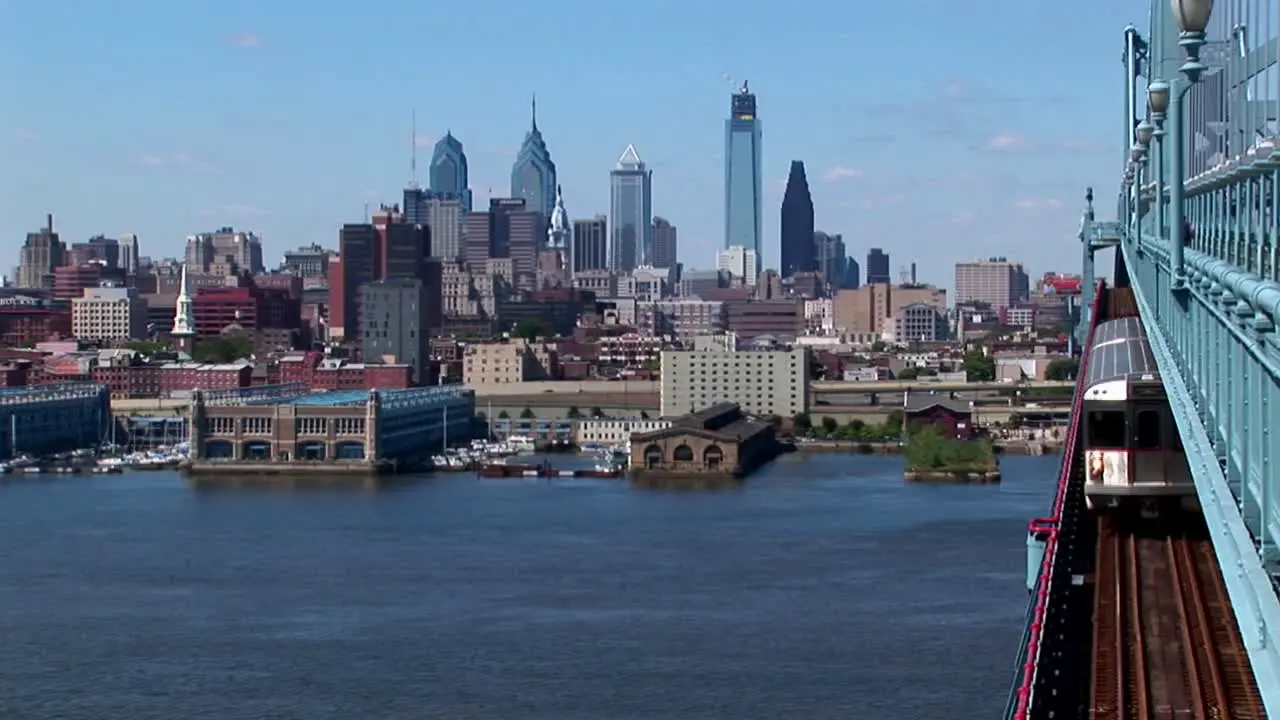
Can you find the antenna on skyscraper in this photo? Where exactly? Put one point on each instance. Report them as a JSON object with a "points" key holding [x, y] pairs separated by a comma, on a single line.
{"points": [[366, 212], [413, 148]]}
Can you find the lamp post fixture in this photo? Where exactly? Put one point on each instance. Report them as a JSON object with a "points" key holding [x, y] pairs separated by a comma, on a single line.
{"points": [[1158, 104], [1146, 130], [1192, 17]]}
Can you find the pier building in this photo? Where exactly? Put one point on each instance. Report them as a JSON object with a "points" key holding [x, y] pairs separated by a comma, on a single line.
{"points": [[45, 419], [714, 445], [283, 429]]}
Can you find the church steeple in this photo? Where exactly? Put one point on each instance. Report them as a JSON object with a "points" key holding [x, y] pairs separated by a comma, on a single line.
{"points": [[184, 322]]}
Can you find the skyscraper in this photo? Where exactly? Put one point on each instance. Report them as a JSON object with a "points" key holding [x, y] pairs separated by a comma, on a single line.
{"points": [[533, 176], [449, 171], [796, 238], [743, 215], [630, 213], [829, 252], [590, 244], [666, 246], [877, 269]]}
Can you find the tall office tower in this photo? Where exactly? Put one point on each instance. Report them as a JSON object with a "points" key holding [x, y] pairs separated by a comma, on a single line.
{"points": [[443, 214], [387, 247], [797, 224], [743, 214], [405, 247], [994, 281], [358, 249], [129, 253], [533, 176], [43, 252], [448, 173], [224, 252], [508, 230], [852, 274], [630, 213], [666, 246], [741, 262], [877, 270], [829, 252], [590, 244]]}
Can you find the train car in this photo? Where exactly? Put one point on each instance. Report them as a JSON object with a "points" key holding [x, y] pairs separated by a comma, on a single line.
{"points": [[1133, 453]]}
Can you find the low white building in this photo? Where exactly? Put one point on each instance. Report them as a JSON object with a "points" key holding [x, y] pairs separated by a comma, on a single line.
{"points": [[605, 431]]}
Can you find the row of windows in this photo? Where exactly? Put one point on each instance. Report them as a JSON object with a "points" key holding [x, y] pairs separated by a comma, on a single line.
{"points": [[1109, 430], [302, 426]]}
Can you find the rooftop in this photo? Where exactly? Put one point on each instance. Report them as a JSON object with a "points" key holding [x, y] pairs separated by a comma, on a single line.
{"points": [[330, 399]]}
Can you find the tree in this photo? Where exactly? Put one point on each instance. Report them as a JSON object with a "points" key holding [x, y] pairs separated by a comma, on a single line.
{"points": [[596, 412], [574, 413], [978, 367], [531, 329], [802, 422], [145, 347], [528, 414], [909, 373], [222, 349], [644, 414], [504, 415], [1062, 369], [829, 425], [878, 346]]}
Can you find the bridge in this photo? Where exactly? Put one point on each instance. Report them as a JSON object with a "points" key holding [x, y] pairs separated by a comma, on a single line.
{"points": [[1187, 623]]}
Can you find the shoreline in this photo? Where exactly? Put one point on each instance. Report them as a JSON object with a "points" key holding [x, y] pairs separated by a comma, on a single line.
{"points": [[1019, 447]]}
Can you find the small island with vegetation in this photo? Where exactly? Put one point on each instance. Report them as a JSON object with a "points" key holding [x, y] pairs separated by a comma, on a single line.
{"points": [[931, 456]]}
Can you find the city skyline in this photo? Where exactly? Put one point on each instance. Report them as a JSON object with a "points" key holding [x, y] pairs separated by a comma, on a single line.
{"points": [[294, 161]]}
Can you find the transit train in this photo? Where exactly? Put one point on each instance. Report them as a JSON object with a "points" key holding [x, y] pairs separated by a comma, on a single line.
{"points": [[1133, 454]]}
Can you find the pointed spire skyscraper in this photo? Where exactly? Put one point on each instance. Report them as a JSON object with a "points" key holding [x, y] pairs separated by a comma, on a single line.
{"points": [[533, 176]]}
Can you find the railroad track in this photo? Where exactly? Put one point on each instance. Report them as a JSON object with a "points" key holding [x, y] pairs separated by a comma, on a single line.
{"points": [[1165, 643]]}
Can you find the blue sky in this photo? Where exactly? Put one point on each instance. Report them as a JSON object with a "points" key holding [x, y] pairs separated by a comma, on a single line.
{"points": [[938, 130]]}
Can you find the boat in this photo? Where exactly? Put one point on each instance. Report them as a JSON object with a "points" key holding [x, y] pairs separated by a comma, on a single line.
{"points": [[522, 445]]}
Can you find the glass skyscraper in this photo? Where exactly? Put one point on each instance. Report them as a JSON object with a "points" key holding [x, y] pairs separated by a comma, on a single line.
{"points": [[533, 176], [743, 216], [449, 171], [630, 213]]}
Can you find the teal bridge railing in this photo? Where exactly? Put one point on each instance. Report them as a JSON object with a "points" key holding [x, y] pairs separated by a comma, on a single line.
{"points": [[1198, 222]]}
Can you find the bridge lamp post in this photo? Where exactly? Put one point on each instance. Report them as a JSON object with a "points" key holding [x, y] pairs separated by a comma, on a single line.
{"points": [[1158, 104], [1145, 131], [1193, 17]]}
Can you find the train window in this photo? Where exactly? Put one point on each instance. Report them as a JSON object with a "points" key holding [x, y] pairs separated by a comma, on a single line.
{"points": [[1148, 422], [1107, 430]]}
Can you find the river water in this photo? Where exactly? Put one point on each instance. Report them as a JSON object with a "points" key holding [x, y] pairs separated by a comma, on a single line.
{"points": [[825, 588]]}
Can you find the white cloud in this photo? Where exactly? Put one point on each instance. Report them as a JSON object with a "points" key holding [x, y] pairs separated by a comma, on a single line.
{"points": [[245, 40], [175, 160], [28, 136], [962, 217], [883, 201], [423, 141], [1038, 204], [840, 173], [1005, 142]]}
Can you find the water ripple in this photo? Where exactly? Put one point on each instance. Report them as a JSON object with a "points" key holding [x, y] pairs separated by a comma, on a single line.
{"points": [[827, 588]]}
